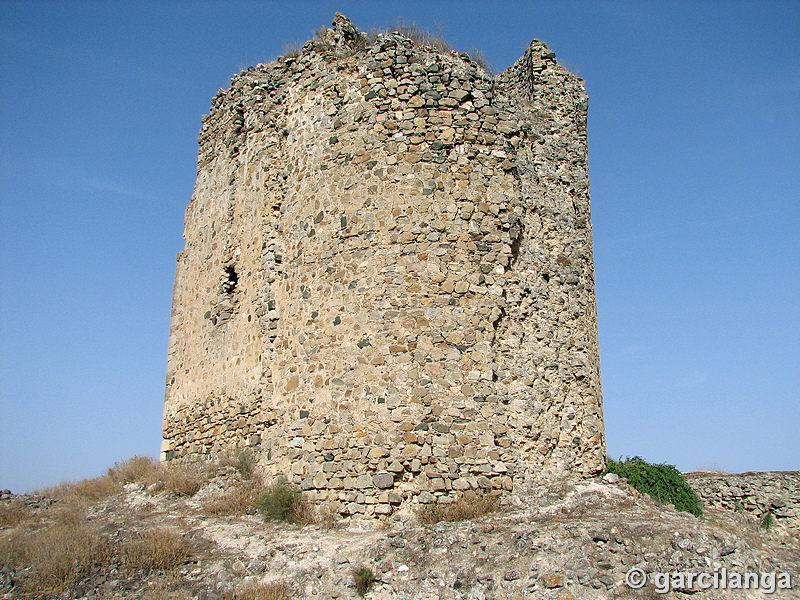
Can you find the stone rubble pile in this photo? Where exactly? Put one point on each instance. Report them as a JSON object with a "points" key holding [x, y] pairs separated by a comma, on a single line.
{"points": [[31, 501]]}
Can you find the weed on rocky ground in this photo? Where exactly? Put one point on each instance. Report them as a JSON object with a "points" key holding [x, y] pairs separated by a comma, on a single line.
{"points": [[363, 578]]}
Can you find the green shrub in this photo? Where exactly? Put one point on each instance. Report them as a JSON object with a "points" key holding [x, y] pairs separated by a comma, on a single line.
{"points": [[284, 502], [363, 578], [244, 461], [662, 482], [767, 521]]}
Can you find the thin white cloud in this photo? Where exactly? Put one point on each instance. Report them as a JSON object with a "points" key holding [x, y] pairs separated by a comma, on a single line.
{"points": [[692, 380], [104, 184], [621, 353], [78, 177]]}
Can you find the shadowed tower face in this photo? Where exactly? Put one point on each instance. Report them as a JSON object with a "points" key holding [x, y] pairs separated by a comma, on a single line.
{"points": [[387, 289]]}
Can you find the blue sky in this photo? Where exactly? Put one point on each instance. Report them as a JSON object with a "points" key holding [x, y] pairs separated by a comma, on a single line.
{"points": [[694, 132]]}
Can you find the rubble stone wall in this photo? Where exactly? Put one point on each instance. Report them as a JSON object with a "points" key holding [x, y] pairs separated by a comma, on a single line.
{"points": [[776, 492], [387, 287]]}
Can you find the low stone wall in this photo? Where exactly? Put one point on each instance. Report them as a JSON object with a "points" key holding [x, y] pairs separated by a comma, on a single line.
{"points": [[757, 493]]}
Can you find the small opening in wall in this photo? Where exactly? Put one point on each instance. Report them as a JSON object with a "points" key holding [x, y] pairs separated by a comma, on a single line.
{"points": [[230, 281], [546, 277]]}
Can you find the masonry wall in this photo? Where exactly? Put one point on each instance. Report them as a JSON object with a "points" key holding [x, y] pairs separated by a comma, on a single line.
{"points": [[776, 492], [387, 288]]}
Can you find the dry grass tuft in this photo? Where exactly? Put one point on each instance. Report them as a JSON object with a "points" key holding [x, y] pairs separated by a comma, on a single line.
{"points": [[325, 516], [469, 505], [97, 489], [13, 512], [479, 58], [432, 39], [86, 492], [236, 500], [304, 512], [178, 479], [164, 594], [156, 550], [167, 587], [57, 555], [73, 498], [292, 50], [14, 549], [262, 591], [138, 468], [417, 34]]}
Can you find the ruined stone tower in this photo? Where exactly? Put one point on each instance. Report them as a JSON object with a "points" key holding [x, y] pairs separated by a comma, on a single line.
{"points": [[387, 289]]}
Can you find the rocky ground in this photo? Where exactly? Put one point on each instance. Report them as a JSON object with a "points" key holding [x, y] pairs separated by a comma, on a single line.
{"points": [[572, 540]]}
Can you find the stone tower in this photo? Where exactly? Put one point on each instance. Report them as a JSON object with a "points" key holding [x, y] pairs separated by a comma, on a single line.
{"points": [[387, 289]]}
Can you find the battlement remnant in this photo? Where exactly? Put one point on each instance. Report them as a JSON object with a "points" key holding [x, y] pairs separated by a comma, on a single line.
{"points": [[387, 288]]}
